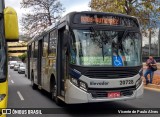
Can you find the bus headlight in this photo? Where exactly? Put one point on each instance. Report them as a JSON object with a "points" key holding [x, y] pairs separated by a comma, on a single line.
{"points": [[79, 84], [141, 72], [139, 82], [74, 81], [82, 85], [2, 96]]}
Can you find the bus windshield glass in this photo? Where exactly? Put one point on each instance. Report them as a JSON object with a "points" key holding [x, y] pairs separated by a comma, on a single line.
{"points": [[105, 48]]}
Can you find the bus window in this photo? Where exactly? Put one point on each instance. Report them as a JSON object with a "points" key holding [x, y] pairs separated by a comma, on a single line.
{"points": [[85, 41], [45, 45], [32, 54], [53, 43], [35, 50], [132, 48]]}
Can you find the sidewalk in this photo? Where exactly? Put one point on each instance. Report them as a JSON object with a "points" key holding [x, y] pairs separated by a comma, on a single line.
{"points": [[156, 81]]}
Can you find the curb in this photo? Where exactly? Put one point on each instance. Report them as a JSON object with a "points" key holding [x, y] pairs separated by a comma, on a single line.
{"points": [[152, 87]]}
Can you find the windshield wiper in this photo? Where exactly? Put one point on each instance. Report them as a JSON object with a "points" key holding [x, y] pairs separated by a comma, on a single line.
{"points": [[124, 34]]}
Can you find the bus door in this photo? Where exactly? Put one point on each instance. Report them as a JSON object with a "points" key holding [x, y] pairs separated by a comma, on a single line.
{"points": [[61, 62], [28, 61], [39, 62]]}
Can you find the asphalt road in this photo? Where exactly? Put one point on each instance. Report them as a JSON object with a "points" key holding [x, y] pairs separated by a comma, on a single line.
{"points": [[21, 95]]}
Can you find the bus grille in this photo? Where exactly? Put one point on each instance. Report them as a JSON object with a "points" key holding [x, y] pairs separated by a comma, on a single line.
{"points": [[109, 74]]}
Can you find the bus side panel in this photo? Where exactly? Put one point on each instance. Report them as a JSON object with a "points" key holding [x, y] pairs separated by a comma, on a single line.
{"points": [[39, 63], [35, 62], [35, 70], [31, 61], [44, 72], [51, 59], [28, 65], [31, 67], [51, 71]]}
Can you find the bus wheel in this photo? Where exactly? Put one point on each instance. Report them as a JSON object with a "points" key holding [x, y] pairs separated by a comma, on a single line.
{"points": [[54, 96], [32, 83]]}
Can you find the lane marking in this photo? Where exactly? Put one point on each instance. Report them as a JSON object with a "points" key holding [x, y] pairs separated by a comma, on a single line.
{"points": [[12, 81], [20, 95]]}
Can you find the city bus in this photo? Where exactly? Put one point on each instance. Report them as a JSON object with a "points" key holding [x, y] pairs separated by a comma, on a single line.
{"points": [[8, 33], [88, 57]]}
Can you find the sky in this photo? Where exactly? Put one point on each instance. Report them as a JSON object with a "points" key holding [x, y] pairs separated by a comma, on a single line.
{"points": [[69, 5]]}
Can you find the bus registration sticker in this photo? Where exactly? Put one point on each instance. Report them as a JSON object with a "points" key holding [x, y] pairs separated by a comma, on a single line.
{"points": [[114, 94]]}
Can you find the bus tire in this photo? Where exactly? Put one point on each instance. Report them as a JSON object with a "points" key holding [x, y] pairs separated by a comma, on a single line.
{"points": [[54, 96], [34, 86]]}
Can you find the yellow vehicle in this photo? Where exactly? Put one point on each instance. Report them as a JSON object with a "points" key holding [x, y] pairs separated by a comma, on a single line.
{"points": [[8, 33]]}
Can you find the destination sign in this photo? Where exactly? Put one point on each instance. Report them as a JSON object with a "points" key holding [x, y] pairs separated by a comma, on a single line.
{"points": [[109, 20], [105, 19]]}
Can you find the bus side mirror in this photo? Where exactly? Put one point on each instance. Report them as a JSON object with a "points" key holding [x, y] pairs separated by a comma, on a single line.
{"points": [[11, 25]]}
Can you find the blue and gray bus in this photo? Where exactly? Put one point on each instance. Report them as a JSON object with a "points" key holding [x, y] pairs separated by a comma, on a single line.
{"points": [[88, 57]]}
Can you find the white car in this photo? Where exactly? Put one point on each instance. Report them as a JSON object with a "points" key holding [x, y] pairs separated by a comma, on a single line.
{"points": [[12, 63], [16, 66], [21, 68]]}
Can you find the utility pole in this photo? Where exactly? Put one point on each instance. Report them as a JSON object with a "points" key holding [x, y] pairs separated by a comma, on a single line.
{"points": [[150, 41]]}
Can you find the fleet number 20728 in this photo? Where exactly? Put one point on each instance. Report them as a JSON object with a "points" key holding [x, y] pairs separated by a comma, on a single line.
{"points": [[126, 82]]}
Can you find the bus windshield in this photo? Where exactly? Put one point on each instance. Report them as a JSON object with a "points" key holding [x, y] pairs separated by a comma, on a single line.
{"points": [[105, 48]]}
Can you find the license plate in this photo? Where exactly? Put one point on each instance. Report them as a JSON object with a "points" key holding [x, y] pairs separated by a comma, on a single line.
{"points": [[114, 94]]}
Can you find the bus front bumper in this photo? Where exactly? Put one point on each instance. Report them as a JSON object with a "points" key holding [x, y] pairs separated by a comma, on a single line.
{"points": [[75, 95]]}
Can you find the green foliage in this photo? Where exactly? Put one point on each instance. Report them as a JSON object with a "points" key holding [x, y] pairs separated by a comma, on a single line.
{"points": [[23, 57], [144, 10]]}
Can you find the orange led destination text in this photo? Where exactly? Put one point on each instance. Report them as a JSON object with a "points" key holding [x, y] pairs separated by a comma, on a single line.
{"points": [[110, 21]]}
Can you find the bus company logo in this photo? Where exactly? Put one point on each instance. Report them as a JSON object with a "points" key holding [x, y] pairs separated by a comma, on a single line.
{"points": [[6, 111], [99, 83]]}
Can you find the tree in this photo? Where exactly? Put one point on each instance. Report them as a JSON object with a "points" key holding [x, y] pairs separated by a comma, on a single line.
{"points": [[42, 13], [144, 10], [23, 57]]}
